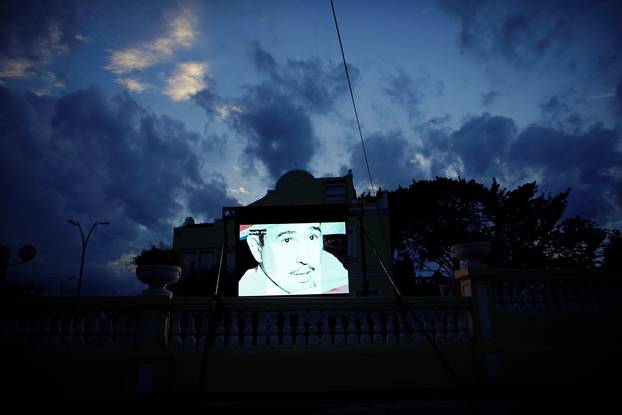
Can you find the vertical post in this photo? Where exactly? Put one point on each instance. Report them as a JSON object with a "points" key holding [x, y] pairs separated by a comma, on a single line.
{"points": [[365, 285], [477, 282], [151, 341]]}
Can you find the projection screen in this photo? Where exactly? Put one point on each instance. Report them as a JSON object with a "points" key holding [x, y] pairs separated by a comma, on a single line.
{"points": [[294, 259]]}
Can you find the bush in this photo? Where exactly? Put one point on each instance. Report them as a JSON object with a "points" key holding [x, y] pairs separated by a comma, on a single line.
{"points": [[159, 255]]}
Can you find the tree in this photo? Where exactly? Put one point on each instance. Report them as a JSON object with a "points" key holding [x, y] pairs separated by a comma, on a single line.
{"points": [[525, 228], [432, 215]]}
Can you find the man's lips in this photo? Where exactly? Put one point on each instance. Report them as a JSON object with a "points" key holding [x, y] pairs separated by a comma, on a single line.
{"points": [[302, 271]]}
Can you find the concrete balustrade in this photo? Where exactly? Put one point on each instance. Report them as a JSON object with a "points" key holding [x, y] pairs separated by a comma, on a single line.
{"points": [[511, 328]]}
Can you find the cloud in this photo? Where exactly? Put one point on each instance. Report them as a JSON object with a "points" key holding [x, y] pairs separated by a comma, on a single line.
{"points": [[82, 156], [187, 80], [518, 33], [279, 133], [589, 162], [392, 158], [314, 84], [33, 34], [273, 118], [489, 98], [481, 143], [556, 113], [133, 84], [181, 34], [408, 92]]}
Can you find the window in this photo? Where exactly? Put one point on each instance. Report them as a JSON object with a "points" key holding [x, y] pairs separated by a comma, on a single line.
{"points": [[334, 192]]}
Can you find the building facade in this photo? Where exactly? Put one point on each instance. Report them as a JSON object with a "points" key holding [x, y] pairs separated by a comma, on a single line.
{"points": [[297, 192]]}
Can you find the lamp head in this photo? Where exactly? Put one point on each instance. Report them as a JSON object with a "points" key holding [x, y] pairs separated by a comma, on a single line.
{"points": [[27, 252]]}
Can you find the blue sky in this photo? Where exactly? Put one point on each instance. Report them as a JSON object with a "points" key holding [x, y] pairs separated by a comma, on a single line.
{"points": [[143, 114]]}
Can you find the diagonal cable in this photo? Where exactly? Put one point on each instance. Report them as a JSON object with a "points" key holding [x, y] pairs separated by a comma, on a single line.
{"points": [[371, 182]]}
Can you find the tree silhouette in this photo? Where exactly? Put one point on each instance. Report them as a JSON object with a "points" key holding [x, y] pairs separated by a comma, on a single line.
{"points": [[525, 228]]}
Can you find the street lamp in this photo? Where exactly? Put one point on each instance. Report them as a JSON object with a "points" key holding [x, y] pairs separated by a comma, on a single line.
{"points": [[26, 253], [84, 242]]}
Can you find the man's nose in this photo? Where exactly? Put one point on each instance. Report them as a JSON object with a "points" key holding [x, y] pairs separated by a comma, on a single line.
{"points": [[302, 254]]}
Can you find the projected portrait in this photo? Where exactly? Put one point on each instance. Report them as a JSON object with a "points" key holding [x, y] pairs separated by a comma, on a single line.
{"points": [[292, 259]]}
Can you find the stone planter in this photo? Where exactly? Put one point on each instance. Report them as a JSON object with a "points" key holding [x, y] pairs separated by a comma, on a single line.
{"points": [[471, 254], [157, 277]]}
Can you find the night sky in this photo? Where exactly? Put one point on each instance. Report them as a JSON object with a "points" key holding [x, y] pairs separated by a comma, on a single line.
{"points": [[143, 113]]}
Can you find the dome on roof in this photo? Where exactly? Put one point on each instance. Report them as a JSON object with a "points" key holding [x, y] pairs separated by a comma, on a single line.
{"points": [[294, 176]]}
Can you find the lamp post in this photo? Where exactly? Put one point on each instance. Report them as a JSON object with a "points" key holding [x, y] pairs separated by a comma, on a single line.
{"points": [[84, 242], [26, 253]]}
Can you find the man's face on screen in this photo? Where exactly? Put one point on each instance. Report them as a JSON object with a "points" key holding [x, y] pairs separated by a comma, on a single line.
{"points": [[291, 255]]}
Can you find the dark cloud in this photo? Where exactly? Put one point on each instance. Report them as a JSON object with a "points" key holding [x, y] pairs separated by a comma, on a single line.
{"points": [[482, 142], [408, 92], [279, 134], [589, 162], [84, 157], [32, 33], [311, 83], [391, 158], [557, 114], [519, 33], [489, 98], [274, 117]]}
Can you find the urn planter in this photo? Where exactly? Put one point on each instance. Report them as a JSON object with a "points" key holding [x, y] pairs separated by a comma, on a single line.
{"points": [[471, 254], [158, 277]]}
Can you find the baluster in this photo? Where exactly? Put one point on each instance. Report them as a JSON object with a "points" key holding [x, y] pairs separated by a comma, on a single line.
{"points": [[326, 337], [391, 337], [300, 329], [273, 324], [417, 336], [352, 338], [365, 328], [262, 329], [247, 319], [176, 340], [234, 339], [340, 338], [190, 340], [377, 328], [461, 328], [107, 320], [288, 340], [450, 337], [440, 329], [313, 338], [402, 330], [203, 329], [219, 338]]}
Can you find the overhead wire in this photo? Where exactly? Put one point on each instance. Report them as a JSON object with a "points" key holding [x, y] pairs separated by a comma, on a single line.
{"points": [[407, 307], [356, 115]]}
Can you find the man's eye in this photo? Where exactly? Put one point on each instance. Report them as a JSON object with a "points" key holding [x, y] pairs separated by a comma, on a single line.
{"points": [[287, 240], [313, 237]]}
